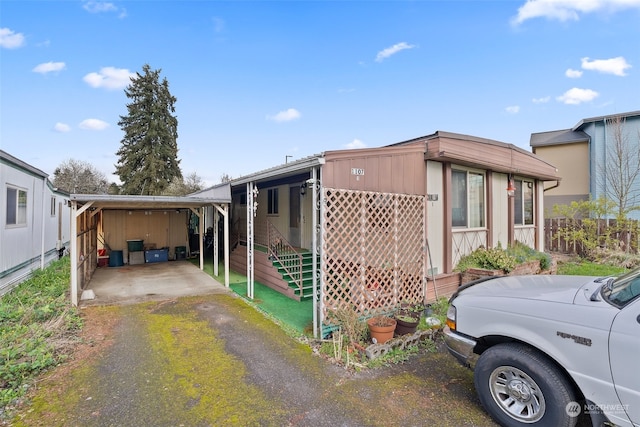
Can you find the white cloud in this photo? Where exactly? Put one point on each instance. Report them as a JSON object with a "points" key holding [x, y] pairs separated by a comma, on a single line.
{"points": [[577, 96], [62, 127], [542, 100], [48, 67], [385, 53], [513, 109], [573, 74], [356, 143], [286, 115], [110, 78], [103, 7], [99, 6], [9, 39], [569, 10], [93, 124], [615, 66]]}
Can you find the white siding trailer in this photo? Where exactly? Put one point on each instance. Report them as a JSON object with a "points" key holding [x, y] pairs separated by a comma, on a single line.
{"points": [[34, 221]]}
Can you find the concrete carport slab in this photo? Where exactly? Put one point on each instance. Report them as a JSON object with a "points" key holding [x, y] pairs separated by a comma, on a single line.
{"points": [[88, 232], [131, 284]]}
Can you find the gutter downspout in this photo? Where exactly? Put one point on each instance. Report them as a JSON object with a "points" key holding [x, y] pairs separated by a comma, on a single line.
{"points": [[553, 186]]}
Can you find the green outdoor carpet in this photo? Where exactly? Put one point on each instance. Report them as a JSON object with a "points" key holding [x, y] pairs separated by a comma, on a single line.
{"points": [[297, 315]]}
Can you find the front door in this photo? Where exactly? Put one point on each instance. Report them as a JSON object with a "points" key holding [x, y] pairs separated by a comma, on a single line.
{"points": [[294, 216]]}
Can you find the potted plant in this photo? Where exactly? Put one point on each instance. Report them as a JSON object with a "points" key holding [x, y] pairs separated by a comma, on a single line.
{"points": [[381, 328], [407, 318], [406, 324]]}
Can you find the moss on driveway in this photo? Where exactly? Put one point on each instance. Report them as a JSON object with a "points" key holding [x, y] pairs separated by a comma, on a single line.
{"points": [[214, 360]]}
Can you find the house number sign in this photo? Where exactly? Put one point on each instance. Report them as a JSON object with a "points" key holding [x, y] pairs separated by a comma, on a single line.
{"points": [[357, 171]]}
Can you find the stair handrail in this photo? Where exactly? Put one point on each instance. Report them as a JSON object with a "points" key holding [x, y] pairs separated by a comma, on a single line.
{"points": [[278, 246], [235, 237]]}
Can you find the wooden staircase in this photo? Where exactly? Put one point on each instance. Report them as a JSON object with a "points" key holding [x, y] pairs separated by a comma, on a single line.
{"points": [[290, 274]]}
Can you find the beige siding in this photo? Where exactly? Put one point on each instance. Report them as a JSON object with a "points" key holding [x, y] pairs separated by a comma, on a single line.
{"points": [[279, 220], [500, 204], [435, 218], [388, 169], [572, 161], [539, 217], [166, 228]]}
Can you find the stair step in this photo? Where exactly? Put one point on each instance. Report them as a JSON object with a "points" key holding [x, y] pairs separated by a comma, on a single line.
{"points": [[294, 267]]}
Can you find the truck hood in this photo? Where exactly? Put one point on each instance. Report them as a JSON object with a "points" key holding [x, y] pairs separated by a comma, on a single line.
{"points": [[562, 289]]}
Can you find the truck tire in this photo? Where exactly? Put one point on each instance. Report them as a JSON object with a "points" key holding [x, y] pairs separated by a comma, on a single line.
{"points": [[518, 386]]}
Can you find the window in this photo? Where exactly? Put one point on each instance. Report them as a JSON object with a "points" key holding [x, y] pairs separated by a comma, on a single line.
{"points": [[523, 198], [53, 206], [16, 206], [467, 193], [272, 201]]}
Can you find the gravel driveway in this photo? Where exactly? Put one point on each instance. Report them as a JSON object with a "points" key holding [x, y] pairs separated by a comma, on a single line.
{"points": [[214, 360]]}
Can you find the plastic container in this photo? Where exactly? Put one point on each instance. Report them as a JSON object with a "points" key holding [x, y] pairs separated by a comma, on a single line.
{"points": [[136, 257], [181, 252], [135, 245], [157, 255], [116, 259]]}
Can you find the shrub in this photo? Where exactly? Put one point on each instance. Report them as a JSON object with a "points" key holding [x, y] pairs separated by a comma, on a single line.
{"points": [[490, 259], [503, 259]]}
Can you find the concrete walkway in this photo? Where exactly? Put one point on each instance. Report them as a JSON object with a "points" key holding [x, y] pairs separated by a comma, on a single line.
{"points": [[132, 284]]}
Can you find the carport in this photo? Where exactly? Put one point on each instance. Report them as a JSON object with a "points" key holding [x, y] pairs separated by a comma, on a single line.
{"points": [[94, 216]]}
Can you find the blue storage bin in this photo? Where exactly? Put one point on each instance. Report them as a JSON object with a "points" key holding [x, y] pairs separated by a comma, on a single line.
{"points": [[156, 255]]}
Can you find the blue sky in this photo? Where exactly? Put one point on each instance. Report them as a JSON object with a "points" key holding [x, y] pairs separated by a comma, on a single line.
{"points": [[258, 81]]}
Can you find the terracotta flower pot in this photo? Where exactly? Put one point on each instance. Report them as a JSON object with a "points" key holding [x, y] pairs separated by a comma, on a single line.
{"points": [[381, 328]]}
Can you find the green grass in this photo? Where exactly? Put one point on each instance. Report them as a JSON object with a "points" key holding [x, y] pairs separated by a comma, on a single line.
{"points": [[36, 320], [588, 268]]}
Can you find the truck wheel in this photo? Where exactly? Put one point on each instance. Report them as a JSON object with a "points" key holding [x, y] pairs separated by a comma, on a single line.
{"points": [[519, 386]]}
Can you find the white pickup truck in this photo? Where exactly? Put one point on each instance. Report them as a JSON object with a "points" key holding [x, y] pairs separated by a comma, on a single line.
{"points": [[546, 349]]}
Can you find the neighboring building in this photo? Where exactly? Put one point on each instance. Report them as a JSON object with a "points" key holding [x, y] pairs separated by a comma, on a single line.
{"points": [[34, 220], [580, 154], [385, 225]]}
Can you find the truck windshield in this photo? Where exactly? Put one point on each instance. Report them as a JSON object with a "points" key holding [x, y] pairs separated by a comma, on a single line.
{"points": [[621, 290]]}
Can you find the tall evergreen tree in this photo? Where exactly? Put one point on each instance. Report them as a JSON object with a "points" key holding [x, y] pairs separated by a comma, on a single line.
{"points": [[148, 157]]}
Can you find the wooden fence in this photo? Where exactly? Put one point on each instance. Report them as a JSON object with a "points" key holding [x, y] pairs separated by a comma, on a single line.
{"points": [[609, 235]]}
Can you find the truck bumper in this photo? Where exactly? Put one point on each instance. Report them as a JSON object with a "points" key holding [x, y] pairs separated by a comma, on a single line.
{"points": [[459, 346]]}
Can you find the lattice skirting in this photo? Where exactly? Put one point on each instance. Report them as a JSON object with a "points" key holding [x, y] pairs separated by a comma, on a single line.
{"points": [[372, 251]]}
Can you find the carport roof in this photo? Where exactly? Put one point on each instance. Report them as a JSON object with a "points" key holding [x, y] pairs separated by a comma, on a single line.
{"points": [[107, 201]]}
